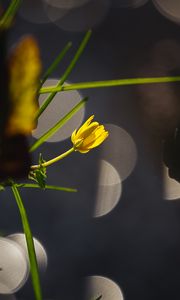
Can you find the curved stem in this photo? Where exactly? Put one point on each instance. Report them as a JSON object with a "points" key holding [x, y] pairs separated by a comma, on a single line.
{"points": [[54, 160]]}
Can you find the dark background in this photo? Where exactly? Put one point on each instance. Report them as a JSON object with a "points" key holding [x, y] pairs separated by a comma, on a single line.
{"points": [[137, 244]]}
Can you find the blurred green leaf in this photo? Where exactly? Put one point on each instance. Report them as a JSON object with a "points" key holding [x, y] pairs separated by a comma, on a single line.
{"points": [[2, 188]]}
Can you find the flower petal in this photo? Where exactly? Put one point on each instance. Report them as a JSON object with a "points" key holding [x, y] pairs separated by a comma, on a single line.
{"points": [[86, 124], [99, 140], [88, 131], [94, 135], [73, 136]]}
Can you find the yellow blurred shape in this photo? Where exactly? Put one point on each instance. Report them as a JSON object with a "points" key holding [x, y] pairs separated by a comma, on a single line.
{"points": [[24, 71]]}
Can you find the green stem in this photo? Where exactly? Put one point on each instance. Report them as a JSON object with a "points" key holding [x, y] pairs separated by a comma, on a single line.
{"points": [[66, 73], [30, 244], [54, 160], [47, 187], [109, 83], [9, 14], [56, 62], [57, 126]]}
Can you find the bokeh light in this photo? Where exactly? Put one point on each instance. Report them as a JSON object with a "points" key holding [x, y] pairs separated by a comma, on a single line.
{"points": [[171, 188], [62, 103], [13, 266], [33, 11], [41, 255], [119, 150], [108, 190], [99, 285], [66, 4], [6, 297], [80, 18], [169, 8], [129, 3]]}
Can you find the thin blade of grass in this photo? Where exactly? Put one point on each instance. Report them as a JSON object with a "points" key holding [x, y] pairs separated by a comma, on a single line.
{"points": [[30, 244], [6, 20], [58, 125], [109, 83], [47, 187], [56, 62], [66, 73]]}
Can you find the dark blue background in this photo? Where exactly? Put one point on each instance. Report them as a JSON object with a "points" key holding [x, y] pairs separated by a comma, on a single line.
{"points": [[138, 244]]}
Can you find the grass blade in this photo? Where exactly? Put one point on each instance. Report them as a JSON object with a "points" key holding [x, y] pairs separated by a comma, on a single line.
{"points": [[9, 14], [58, 125], [47, 187], [66, 73], [56, 62], [109, 83], [30, 244]]}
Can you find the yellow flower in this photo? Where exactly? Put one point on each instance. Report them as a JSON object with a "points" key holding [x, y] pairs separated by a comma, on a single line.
{"points": [[88, 136]]}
